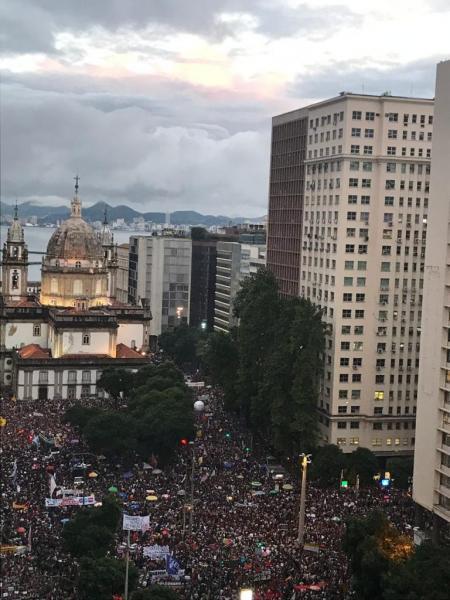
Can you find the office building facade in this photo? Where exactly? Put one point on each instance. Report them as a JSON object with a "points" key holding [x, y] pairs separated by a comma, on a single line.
{"points": [[235, 262], [160, 271], [364, 227], [431, 488], [286, 189]]}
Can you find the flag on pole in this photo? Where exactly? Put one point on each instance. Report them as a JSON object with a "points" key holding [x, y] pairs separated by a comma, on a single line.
{"points": [[134, 523], [172, 565]]}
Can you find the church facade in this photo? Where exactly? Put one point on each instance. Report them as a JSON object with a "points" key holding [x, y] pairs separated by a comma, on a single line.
{"points": [[56, 346]]}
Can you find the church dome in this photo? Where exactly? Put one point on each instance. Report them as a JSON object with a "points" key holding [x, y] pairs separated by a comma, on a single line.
{"points": [[75, 239]]}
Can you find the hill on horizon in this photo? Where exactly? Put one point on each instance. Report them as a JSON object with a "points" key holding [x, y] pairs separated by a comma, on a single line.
{"points": [[50, 214]]}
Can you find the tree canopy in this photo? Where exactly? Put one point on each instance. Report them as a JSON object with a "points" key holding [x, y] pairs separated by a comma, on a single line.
{"points": [[155, 592], [158, 412], [102, 578], [374, 547], [270, 367]]}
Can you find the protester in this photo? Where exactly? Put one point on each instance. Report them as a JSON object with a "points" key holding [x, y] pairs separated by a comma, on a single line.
{"points": [[244, 524]]}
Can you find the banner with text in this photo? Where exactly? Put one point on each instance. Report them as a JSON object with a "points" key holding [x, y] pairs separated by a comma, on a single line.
{"points": [[77, 501], [134, 523], [156, 552]]}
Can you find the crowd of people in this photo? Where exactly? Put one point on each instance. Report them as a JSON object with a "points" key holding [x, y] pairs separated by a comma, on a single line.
{"points": [[227, 522]]}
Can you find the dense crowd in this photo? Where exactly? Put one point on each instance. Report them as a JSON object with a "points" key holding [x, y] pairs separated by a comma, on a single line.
{"points": [[240, 531]]}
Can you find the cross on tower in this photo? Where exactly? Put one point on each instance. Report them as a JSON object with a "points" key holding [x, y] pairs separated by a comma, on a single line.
{"points": [[77, 179]]}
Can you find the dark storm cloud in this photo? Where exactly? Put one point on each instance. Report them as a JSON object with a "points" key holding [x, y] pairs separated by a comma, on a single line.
{"points": [[169, 101], [31, 25], [130, 154], [412, 79]]}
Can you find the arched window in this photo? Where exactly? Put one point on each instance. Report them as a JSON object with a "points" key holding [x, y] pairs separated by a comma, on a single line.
{"points": [[86, 339], [15, 280], [78, 265]]}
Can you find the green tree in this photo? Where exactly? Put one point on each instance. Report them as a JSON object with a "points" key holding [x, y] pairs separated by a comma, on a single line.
{"points": [[84, 538], [91, 531], [116, 382], [425, 576], [111, 433], [167, 370], [373, 546], [307, 346], [181, 344], [79, 415], [257, 305], [327, 464], [155, 592], [102, 578], [220, 360], [364, 463], [163, 424]]}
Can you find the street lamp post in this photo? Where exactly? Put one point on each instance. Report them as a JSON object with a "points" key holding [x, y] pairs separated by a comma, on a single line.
{"points": [[305, 461], [199, 407]]}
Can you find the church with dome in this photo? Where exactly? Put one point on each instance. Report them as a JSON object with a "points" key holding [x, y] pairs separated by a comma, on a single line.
{"points": [[56, 345]]}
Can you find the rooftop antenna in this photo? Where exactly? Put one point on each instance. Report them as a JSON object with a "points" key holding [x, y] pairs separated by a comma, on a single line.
{"points": [[77, 179]]}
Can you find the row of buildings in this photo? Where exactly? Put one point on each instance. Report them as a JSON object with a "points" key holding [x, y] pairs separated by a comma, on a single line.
{"points": [[190, 279], [359, 223], [99, 305]]}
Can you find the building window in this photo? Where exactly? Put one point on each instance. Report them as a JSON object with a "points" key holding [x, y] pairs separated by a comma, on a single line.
{"points": [[43, 376], [86, 377], [78, 264], [86, 339], [340, 441], [36, 330], [72, 377], [342, 424]]}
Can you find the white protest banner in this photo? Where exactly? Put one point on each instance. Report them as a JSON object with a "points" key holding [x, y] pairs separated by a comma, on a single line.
{"points": [[77, 501], [156, 552], [134, 523]]}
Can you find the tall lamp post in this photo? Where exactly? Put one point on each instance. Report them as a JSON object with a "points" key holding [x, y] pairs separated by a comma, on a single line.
{"points": [[199, 407], [305, 461]]}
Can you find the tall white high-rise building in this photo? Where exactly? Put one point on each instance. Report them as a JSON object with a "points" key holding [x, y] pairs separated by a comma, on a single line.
{"points": [[364, 226], [432, 457]]}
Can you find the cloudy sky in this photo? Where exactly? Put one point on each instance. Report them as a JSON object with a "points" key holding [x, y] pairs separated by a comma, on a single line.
{"points": [[166, 104]]}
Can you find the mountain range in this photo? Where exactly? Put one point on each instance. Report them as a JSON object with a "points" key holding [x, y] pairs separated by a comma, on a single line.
{"points": [[51, 214]]}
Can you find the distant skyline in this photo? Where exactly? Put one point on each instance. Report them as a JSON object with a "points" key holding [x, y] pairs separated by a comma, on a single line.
{"points": [[166, 105]]}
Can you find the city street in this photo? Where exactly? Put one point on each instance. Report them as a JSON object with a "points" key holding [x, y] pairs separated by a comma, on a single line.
{"points": [[241, 532]]}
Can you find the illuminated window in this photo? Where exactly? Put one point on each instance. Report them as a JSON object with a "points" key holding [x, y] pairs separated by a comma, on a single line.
{"points": [[377, 442], [379, 395], [341, 441]]}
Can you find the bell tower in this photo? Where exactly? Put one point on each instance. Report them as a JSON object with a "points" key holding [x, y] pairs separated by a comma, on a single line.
{"points": [[15, 262], [106, 238]]}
